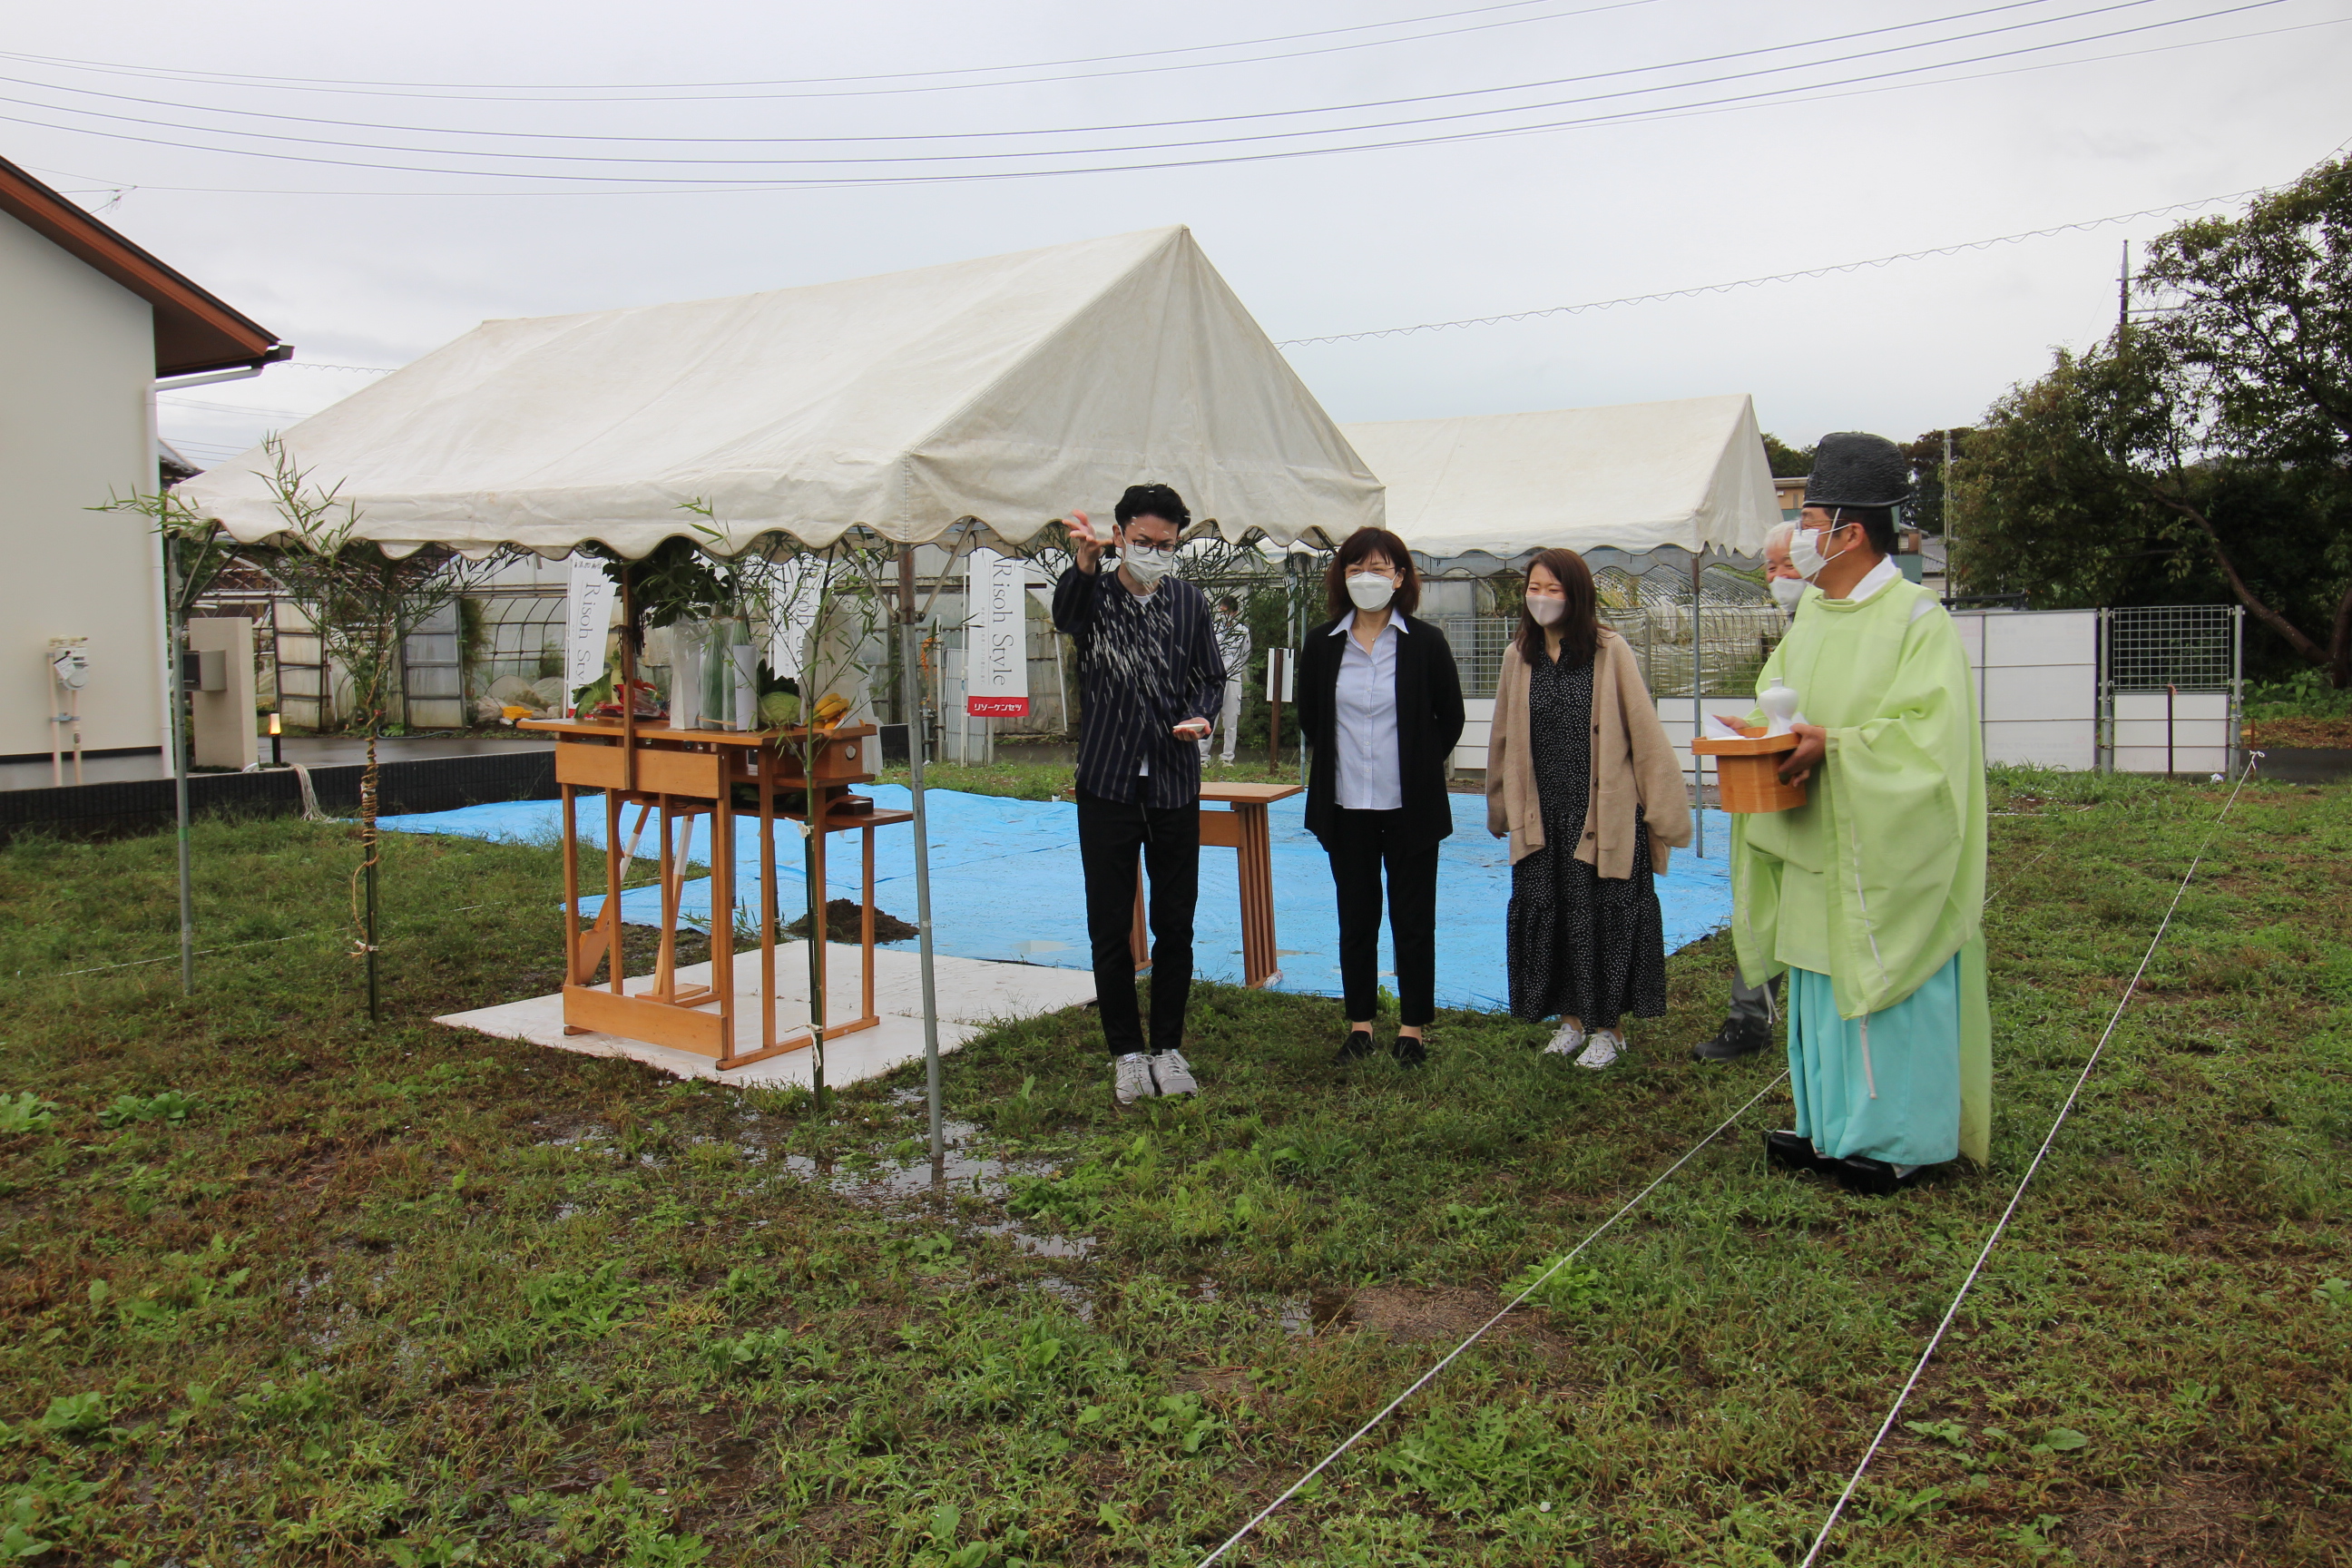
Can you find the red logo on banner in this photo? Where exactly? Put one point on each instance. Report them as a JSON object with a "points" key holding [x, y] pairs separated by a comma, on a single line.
{"points": [[998, 707]]}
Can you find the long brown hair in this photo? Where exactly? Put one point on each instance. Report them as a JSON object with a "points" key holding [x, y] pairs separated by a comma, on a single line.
{"points": [[1579, 628], [1363, 542]]}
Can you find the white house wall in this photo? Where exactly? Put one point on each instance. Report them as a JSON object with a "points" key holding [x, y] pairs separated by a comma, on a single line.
{"points": [[78, 355]]}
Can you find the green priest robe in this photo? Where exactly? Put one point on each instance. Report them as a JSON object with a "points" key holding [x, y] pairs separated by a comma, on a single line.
{"points": [[1877, 881]]}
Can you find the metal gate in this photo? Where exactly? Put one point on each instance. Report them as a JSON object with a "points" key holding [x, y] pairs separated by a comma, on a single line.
{"points": [[2171, 688]]}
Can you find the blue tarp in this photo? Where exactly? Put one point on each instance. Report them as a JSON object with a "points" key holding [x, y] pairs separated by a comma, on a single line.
{"points": [[1005, 884]]}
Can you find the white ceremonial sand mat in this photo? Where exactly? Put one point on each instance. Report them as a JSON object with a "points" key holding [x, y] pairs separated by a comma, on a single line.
{"points": [[972, 993]]}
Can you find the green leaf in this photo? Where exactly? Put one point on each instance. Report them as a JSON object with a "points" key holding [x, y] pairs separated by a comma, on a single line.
{"points": [[2064, 1440]]}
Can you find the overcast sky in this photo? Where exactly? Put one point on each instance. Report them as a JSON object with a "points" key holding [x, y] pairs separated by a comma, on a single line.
{"points": [[1943, 123]]}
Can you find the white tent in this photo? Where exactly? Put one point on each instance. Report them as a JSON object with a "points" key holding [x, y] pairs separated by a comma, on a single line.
{"points": [[1009, 389], [1690, 473]]}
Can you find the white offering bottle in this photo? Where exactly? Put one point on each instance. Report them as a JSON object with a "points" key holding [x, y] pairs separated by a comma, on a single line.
{"points": [[1779, 705]]}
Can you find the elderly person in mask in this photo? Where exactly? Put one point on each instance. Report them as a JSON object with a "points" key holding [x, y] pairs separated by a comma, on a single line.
{"points": [[1748, 1027]]}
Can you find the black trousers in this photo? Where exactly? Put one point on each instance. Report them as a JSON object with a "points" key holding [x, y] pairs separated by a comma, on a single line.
{"points": [[1362, 844], [1110, 833]]}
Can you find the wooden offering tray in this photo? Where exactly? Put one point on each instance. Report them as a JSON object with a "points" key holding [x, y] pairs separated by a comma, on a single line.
{"points": [[1747, 770]]}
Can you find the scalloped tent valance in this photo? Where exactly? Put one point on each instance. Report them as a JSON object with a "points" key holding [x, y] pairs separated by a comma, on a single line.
{"points": [[1690, 473], [1007, 389]]}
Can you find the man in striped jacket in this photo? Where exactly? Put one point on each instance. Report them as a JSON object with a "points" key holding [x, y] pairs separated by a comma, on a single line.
{"points": [[1150, 680]]}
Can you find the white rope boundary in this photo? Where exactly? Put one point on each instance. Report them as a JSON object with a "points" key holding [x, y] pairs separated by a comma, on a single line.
{"points": [[1853, 1481], [1425, 1379]]}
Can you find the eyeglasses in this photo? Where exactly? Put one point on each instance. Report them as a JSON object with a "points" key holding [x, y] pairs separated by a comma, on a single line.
{"points": [[1133, 548]]}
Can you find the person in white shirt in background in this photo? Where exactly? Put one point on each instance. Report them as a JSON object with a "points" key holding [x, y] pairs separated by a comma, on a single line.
{"points": [[1233, 646], [1748, 1027]]}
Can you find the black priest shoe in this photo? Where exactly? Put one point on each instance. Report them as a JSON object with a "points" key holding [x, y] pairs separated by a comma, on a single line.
{"points": [[1791, 1152], [1410, 1051], [1737, 1038], [1872, 1178], [1358, 1046]]}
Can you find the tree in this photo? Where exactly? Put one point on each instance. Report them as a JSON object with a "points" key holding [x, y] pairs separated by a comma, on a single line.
{"points": [[2212, 445], [364, 604], [1788, 462], [1925, 511]]}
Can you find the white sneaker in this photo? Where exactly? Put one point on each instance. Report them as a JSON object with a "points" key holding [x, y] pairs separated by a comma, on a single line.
{"points": [[1173, 1073], [1604, 1050], [1567, 1040], [1131, 1079]]}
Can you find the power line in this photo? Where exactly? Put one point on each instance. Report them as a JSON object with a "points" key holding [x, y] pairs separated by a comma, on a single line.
{"points": [[651, 183], [1823, 271], [474, 91], [1361, 106]]}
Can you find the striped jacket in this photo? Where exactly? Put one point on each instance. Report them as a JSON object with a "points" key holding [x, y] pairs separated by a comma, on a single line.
{"points": [[1145, 665]]}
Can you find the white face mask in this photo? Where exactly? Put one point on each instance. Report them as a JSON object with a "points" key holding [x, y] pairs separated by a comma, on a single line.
{"points": [[1787, 591], [1547, 611], [1369, 590], [1145, 565], [1805, 554]]}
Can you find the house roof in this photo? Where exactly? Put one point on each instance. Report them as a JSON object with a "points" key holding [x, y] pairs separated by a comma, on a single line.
{"points": [[194, 329]]}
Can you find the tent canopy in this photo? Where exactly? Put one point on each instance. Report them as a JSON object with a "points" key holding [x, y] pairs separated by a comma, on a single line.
{"points": [[1009, 390], [1690, 473]]}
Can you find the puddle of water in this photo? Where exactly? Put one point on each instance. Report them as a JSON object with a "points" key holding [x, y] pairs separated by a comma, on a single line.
{"points": [[1038, 1245], [1078, 1301], [1304, 1317]]}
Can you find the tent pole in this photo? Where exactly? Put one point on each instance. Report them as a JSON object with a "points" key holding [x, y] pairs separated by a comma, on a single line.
{"points": [[911, 675], [1699, 721], [176, 654]]}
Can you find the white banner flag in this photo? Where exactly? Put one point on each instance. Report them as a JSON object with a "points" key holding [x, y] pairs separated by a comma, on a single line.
{"points": [[996, 637], [588, 622]]}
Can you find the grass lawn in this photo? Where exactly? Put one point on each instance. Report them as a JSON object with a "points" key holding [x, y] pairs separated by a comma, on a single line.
{"points": [[282, 1287]]}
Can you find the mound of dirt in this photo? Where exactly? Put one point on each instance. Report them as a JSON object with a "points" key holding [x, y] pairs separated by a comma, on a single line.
{"points": [[841, 924], [2316, 734]]}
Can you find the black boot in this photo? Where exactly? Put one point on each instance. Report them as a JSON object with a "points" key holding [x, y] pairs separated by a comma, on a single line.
{"points": [[1791, 1152], [1738, 1037], [1358, 1046], [1872, 1178]]}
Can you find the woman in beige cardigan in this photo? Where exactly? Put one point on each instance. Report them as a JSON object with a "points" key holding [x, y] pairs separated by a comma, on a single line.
{"points": [[1580, 776]]}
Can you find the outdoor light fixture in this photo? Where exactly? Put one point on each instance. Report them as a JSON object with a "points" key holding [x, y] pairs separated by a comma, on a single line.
{"points": [[276, 757]]}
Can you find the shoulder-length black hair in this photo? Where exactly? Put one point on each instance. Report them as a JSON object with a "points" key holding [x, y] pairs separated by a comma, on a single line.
{"points": [[1580, 629], [1366, 541]]}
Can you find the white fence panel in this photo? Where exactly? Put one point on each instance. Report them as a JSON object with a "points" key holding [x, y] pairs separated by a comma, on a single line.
{"points": [[2199, 731], [2037, 675]]}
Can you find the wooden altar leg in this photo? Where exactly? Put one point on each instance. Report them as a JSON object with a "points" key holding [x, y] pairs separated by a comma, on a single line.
{"points": [[1260, 962], [766, 787], [666, 962], [571, 975], [612, 920], [1138, 938], [866, 927], [722, 915]]}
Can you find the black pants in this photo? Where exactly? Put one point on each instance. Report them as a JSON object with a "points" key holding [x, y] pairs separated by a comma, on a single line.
{"points": [[1361, 842], [1109, 834]]}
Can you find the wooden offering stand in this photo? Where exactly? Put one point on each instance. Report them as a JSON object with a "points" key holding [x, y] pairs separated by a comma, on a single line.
{"points": [[685, 774], [1245, 830], [1747, 770]]}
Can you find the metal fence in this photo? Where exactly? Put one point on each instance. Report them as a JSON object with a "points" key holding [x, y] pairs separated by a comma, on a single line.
{"points": [[1736, 626], [2170, 688], [2189, 647]]}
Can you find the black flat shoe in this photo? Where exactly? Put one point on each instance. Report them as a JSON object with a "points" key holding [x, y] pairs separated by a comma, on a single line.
{"points": [[1734, 1040], [1410, 1051], [1358, 1046], [1872, 1178], [1790, 1153]]}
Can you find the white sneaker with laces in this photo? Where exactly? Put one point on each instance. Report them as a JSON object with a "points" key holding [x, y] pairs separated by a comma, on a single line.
{"points": [[1173, 1073], [1131, 1079], [1604, 1050], [1567, 1040]]}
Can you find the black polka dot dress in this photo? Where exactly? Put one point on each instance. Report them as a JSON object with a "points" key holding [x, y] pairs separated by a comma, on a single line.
{"points": [[1581, 945]]}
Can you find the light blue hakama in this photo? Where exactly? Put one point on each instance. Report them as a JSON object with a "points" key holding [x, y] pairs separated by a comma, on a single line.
{"points": [[1886, 1086]]}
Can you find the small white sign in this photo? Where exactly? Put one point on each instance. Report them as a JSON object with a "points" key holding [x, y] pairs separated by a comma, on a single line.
{"points": [[588, 596], [1281, 675], [996, 637]]}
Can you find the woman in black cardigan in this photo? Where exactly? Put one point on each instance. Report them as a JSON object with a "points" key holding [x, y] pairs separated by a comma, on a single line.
{"points": [[1382, 707]]}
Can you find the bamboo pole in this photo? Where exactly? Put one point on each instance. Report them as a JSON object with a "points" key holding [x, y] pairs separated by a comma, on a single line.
{"points": [[912, 700]]}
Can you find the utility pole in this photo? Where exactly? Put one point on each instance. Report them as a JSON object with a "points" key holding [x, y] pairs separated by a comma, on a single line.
{"points": [[2123, 296], [1945, 506]]}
